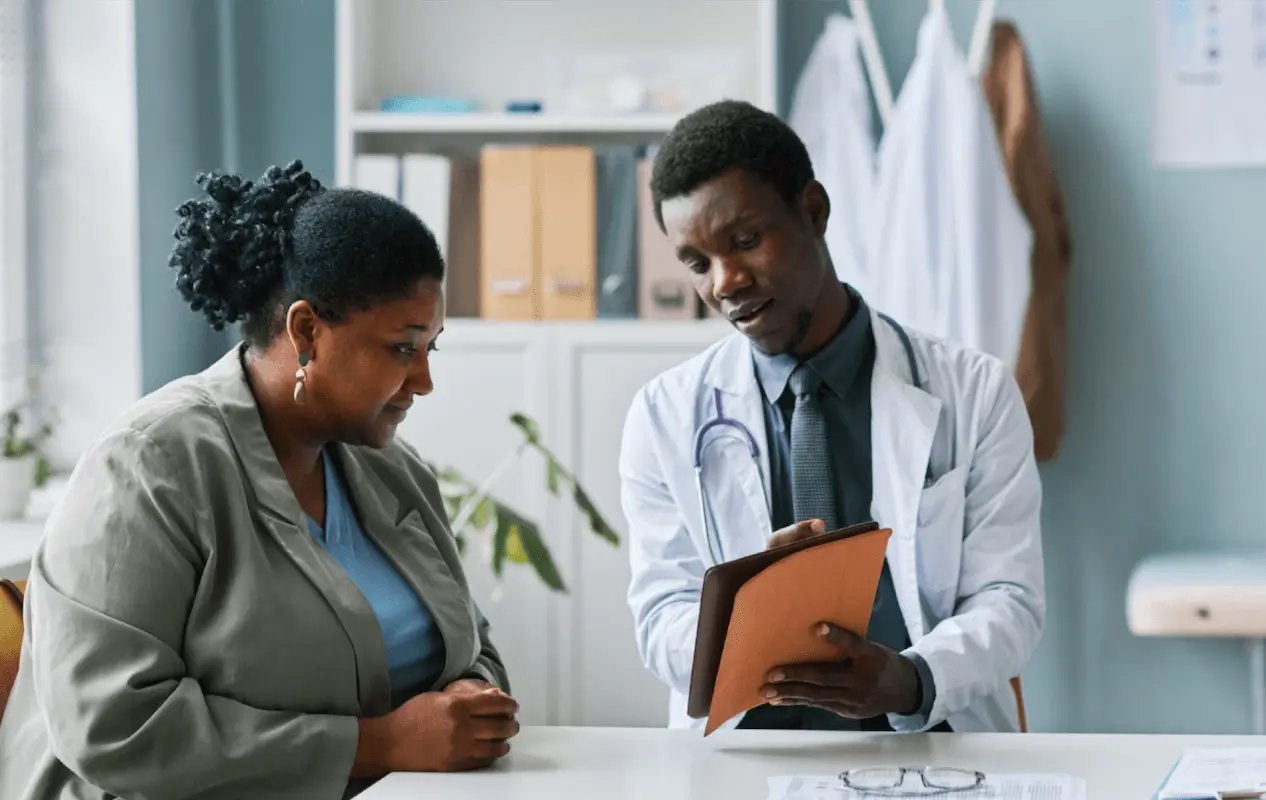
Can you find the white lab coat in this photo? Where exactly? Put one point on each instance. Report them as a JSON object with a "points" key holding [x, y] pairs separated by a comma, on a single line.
{"points": [[945, 244], [965, 554], [830, 110]]}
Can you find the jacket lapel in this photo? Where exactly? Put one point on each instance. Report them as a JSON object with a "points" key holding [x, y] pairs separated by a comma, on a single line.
{"points": [[903, 427], [278, 512], [737, 488], [406, 535]]}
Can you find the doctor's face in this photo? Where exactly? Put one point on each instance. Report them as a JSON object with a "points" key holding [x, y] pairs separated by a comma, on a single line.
{"points": [[754, 258]]}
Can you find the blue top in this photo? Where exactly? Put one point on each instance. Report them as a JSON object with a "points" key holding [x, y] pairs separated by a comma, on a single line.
{"points": [[415, 649], [845, 366]]}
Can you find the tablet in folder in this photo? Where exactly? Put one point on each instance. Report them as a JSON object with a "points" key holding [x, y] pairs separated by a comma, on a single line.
{"points": [[760, 611]]}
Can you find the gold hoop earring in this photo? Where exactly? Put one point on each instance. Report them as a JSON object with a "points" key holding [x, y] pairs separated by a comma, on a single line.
{"points": [[301, 380]]}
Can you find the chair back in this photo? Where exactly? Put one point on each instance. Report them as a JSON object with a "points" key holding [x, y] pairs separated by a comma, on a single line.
{"points": [[1019, 703], [11, 594]]}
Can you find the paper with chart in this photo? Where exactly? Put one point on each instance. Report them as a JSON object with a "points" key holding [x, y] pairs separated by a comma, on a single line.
{"points": [[1214, 769], [1017, 786], [1209, 93]]}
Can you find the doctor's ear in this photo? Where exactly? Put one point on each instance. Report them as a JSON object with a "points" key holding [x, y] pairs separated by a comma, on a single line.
{"points": [[816, 206]]}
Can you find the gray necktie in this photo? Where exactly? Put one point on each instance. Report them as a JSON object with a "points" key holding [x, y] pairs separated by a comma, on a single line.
{"points": [[812, 489]]}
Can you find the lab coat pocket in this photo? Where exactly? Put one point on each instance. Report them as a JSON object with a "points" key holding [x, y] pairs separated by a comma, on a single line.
{"points": [[939, 540]]}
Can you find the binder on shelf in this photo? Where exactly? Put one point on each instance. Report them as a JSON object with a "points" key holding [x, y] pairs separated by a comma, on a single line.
{"points": [[444, 193], [377, 172], [617, 231], [567, 227], [510, 275], [665, 290]]}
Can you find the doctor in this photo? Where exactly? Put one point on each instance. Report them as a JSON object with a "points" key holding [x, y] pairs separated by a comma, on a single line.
{"points": [[820, 413]]}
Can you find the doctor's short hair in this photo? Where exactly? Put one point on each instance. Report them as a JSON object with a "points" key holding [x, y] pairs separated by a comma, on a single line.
{"points": [[248, 249], [726, 135]]}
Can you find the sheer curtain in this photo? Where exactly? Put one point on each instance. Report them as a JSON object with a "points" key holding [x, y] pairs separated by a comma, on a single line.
{"points": [[14, 274]]}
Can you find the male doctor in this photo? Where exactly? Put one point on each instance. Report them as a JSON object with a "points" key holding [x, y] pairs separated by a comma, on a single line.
{"points": [[851, 418]]}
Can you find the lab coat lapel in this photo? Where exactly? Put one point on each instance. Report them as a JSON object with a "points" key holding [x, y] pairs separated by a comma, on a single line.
{"points": [[903, 426], [737, 488], [405, 535], [279, 513]]}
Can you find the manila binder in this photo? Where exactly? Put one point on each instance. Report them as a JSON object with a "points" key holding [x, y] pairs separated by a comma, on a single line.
{"points": [[509, 274], [760, 611], [568, 250]]}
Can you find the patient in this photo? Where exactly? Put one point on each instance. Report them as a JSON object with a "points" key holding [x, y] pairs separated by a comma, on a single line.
{"points": [[251, 588]]}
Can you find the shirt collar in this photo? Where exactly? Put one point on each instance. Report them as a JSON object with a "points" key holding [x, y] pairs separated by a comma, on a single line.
{"points": [[838, 363]]}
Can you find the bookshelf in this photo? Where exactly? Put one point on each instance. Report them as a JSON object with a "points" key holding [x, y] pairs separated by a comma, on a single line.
{"points": [[490, 52]]}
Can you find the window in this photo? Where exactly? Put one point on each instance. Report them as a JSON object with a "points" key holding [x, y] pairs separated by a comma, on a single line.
{"points": [[14, 118]]}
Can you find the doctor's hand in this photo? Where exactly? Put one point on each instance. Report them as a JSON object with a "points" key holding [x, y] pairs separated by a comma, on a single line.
{"points": [[794, 533], [867, 680], [439, 732]]}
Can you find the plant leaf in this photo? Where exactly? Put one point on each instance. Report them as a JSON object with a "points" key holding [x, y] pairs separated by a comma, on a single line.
{"points": [[552, 475], [539, 556], [514, 546], [501, 539], [484, 513], [528, 425], [596, 522]]}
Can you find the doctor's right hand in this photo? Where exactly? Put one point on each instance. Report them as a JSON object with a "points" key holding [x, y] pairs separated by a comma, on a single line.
{"points": [[795, 533], [438, 732]]}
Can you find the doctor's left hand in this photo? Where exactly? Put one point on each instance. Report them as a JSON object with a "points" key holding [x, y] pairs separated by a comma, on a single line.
{"points": [[868, 680]]}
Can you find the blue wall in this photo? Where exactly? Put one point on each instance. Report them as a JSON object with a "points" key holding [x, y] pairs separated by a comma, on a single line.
{"points": [[1163, 385], [285, 88], [1165, 432]]}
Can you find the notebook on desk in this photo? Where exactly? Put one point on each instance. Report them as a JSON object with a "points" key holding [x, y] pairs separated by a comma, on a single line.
{"points": [[759, 611]]}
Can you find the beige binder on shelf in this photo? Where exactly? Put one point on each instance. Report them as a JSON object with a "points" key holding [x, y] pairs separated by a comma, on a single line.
{"points": [[665, 290], [510, 276], [568, 230]]}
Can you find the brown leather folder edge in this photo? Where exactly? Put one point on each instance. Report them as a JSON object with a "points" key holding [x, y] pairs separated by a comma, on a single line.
{"points": [[720, 585]]}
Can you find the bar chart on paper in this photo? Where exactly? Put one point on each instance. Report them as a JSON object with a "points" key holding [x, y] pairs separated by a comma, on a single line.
{"points": [[996, 787], [1210, 83]]}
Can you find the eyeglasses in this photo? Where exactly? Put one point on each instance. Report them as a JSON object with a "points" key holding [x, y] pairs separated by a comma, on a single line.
{"points": [[891, 781]]}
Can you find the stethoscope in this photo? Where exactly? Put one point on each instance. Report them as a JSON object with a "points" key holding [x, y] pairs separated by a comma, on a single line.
{"points": [[710, 529]]}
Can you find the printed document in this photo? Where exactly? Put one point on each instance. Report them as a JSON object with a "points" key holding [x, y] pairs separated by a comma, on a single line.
{"points": [[1015, 786], [1203, 772]]}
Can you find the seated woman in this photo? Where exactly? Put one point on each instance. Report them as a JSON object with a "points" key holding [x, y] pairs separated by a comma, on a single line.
{"points": [[251, 588]]}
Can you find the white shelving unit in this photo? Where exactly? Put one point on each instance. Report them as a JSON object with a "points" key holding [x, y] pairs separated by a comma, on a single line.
{"points": [[494, 51]]}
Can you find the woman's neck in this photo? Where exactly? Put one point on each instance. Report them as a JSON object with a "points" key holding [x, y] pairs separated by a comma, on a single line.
{"points": [[291, 431]]}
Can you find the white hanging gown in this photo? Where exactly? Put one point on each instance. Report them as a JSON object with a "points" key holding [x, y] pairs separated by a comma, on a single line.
{"points": [[945, 245]]}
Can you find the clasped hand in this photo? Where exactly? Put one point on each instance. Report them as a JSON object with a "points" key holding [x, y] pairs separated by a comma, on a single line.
{"points": [[467, 726], [863, 680]]}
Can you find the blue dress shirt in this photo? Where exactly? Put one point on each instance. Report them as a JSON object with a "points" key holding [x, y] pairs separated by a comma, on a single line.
{"points": [[415, 648], [845, 366]]}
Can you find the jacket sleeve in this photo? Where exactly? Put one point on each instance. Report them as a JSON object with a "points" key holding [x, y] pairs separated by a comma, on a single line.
{"points": [[1000, 606], [488, 665], [667, 573], [110, 593]]}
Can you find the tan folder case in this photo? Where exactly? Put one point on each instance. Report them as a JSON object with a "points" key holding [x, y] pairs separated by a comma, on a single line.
{"points": [[510, 267], [568, 230], [665, 290], [760, 612]]}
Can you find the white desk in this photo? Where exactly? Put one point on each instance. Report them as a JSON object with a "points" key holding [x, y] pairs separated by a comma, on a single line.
{"points": [[655, 764]]}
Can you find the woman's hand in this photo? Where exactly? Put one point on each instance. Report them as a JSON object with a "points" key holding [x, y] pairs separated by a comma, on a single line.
{"points": [[448, 731]]}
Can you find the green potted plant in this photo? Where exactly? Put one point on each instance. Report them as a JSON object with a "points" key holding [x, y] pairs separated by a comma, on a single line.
{"points": [[515, 538], [22, 463]]}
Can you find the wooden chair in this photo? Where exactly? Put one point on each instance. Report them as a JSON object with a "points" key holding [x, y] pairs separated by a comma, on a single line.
{"points": [[1019, 703], [11, 629]]}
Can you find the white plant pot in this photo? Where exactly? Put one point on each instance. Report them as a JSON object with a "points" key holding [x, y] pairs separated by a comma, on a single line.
{"points": [[17, 479]]}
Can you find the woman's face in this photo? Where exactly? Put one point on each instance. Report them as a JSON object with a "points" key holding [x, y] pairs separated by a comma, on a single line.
{"points": [[365, 371]]}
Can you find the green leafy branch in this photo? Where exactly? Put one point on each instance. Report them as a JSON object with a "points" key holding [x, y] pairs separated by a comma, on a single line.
{"points": [[515, 538]]}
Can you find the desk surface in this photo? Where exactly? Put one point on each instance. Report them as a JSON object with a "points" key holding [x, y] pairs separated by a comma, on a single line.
{"points": [[654, 764]]}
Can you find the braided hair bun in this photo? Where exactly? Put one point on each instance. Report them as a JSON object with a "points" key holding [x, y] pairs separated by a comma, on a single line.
{"points": [[232, 245]]}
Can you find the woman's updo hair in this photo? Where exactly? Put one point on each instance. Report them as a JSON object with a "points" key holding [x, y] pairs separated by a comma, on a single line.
{"points": [[249, 249]]}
